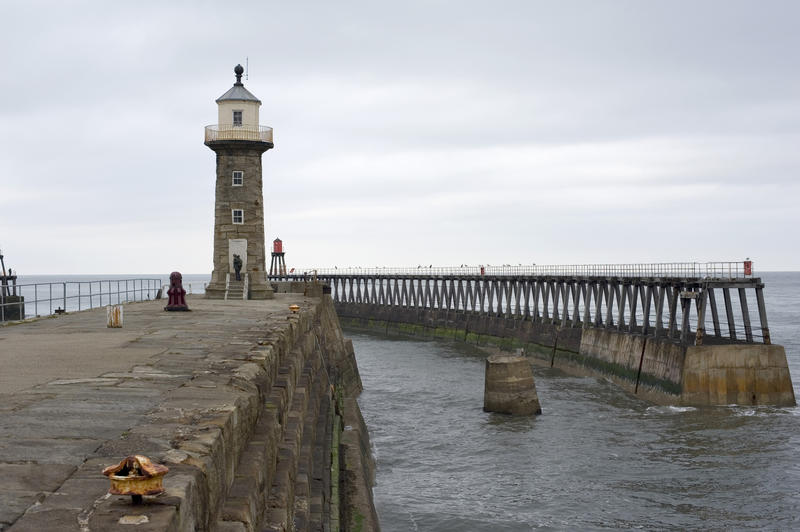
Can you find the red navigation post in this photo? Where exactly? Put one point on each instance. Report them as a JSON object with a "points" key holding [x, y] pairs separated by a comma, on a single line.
{"points": [[278, 265]]}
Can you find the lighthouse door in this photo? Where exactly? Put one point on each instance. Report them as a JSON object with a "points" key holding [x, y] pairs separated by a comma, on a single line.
{"points": [[237, 246]]}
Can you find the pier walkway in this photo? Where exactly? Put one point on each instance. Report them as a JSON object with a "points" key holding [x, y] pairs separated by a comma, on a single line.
{"points": [[188, 389]]}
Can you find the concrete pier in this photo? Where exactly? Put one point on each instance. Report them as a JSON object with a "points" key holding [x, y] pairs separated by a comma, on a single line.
{"points": [[509, 387], [243, 400], [688, 338]]}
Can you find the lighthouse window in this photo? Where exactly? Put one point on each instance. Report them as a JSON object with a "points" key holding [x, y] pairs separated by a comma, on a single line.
{"points": [[238, 178], [238, 216], [237, 118]]}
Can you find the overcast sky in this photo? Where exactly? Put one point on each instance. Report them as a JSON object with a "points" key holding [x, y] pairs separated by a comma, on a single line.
{"points": [[405, 132]]}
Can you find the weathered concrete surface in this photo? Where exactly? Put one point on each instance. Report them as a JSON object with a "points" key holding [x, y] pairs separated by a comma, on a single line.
{"points": [[737, 374], [234, 397], [620, 355], [509, 387], [56, 348], [744, 374]]}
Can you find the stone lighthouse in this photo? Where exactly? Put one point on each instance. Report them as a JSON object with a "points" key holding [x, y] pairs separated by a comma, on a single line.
{"points": [[238, 140]]}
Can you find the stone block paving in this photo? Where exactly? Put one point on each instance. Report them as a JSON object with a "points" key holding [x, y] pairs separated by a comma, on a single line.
{"points": [[76, 397]]}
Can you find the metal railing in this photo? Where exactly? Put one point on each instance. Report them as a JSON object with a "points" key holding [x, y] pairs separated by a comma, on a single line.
{"points": [[44, 299], [192, 288], [686, 310], [216, 132], [693, 270]]}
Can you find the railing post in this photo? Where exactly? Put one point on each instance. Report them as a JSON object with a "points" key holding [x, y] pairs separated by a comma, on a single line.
{"points": [[748, 332], [621, 293], [673, 311], [612, 288], [712, 301], [65, 296], [659, 295], [762, 314], [686, 309], [729, 313], [599, 290], [648, 293], [633, 298], [587, 289], [701, 317]]}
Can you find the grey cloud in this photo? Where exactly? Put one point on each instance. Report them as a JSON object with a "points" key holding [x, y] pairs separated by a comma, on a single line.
{"points": [[477, 125]]}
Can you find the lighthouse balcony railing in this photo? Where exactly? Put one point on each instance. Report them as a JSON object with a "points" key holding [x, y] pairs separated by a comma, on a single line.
{"points": [[218, 132]]}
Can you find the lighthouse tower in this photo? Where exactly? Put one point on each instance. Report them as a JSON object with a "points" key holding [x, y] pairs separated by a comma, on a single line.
{"points": [[238, 141]]}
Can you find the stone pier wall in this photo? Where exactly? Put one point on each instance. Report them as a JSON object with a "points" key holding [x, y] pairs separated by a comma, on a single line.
{"points": [[277, 453], [305, 380], [660, 370]]}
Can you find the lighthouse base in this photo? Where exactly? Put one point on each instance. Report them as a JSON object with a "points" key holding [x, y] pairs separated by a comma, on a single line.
{"points": [[263, 291], [259, 286]]}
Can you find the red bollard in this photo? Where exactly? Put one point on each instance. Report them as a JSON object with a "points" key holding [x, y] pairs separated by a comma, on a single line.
{"points": [[177, 295]]}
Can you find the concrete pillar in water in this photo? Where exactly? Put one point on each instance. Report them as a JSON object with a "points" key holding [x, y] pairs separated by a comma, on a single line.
{"points": [[509, 387]]}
